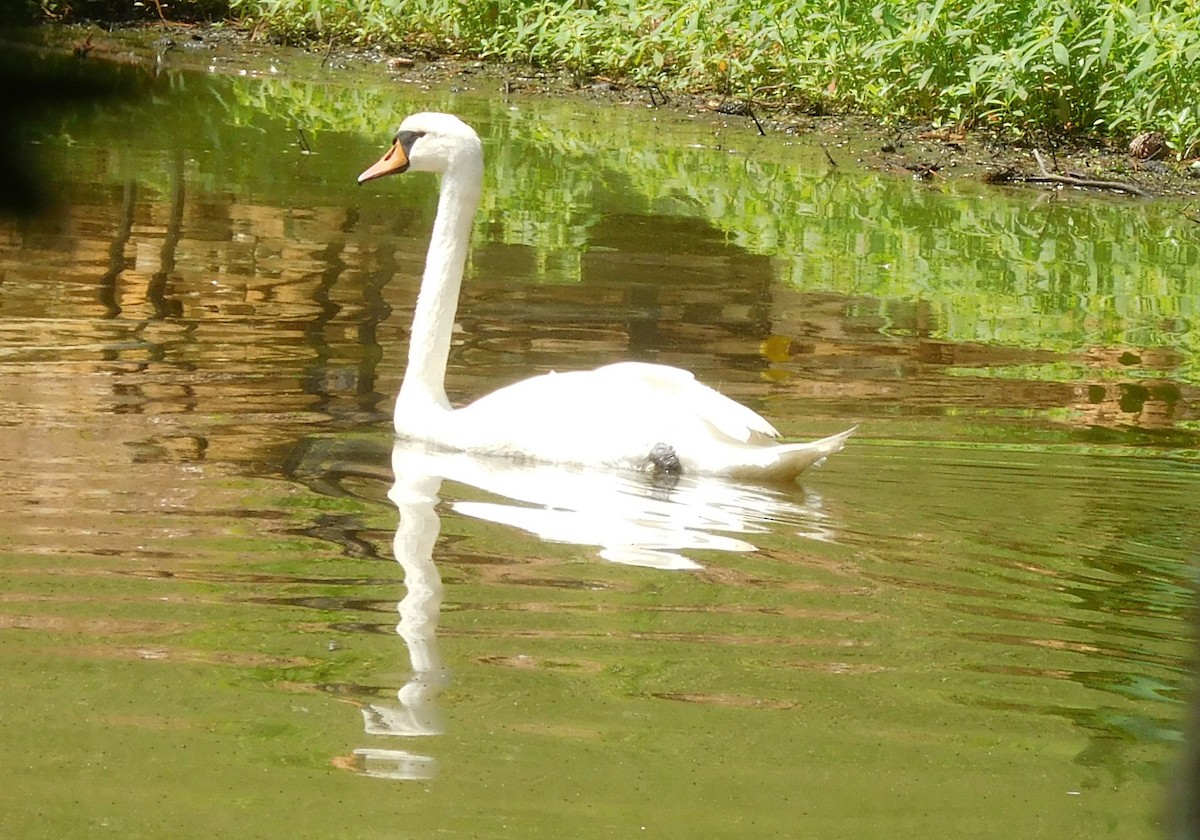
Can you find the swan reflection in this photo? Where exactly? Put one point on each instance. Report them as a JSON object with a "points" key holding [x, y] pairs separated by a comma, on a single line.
{"points": [[632, 519], [628, 518], [416, 714]]}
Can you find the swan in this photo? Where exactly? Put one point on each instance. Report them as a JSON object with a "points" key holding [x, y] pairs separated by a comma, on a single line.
{"points": [[625, 416]]}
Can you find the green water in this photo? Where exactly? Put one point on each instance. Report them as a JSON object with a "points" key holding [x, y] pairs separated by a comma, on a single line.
{"points": [[972, 622]]}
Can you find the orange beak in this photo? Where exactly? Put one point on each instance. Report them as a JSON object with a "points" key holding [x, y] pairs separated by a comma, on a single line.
{"points": [[394, 161]]}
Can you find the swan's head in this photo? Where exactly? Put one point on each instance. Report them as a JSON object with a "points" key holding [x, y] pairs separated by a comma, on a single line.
{"points": [[427, 142]]}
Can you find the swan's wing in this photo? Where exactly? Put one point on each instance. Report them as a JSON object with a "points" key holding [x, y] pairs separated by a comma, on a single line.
{"points": [[680, 389], [615, 414], [658, 400], [555, 417]]}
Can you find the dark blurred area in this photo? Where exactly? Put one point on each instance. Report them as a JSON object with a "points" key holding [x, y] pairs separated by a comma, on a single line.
{"points": [[33, 85], [27, 12], [1183, 812], [37, 81]]}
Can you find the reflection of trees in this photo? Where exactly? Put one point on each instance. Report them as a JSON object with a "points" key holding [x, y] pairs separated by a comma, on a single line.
{"points": [[107, 287], [1152, 406], [1149, 403], [899, 299], [994, 267], [257, 280], [158, 290]]}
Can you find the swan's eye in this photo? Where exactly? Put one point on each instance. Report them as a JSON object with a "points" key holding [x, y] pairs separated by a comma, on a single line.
{"points": [[407, 138]]}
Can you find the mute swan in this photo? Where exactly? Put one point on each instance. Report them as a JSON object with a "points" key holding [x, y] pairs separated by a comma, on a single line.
{"points": [[629, 415]]}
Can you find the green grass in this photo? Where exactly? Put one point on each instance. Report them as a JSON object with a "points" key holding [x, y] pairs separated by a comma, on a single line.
{"points": [[1023, 68]]}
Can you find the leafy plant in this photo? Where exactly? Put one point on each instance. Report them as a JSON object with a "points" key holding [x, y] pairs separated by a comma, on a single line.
{"points": [[1026, 67]]}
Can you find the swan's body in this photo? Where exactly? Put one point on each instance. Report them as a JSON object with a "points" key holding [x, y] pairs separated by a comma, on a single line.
{"points": [[630, 415]]}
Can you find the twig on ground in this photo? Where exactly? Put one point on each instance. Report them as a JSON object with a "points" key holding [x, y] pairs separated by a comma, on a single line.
{"points": [[923, 170], [1046, 176]]}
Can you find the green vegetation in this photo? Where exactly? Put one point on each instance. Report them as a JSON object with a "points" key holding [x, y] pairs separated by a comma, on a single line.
{"points": [[1025, 68]]}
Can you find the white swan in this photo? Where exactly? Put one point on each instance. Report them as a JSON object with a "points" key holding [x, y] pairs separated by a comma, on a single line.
{"points": [[630, 415]]}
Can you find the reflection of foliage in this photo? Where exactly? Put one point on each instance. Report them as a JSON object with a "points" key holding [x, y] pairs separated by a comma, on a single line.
{"points": [[991, 267], [315, 107], [994, 267]]}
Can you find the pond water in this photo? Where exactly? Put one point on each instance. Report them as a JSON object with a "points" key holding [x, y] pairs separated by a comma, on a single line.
{"points": [[231, 606]]}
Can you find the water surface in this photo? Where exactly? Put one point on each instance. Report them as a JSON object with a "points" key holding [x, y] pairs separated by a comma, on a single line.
{"points": [[972, 621]]}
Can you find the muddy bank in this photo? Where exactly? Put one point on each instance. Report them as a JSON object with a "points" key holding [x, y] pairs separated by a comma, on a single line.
{"points": [[923, 152]]}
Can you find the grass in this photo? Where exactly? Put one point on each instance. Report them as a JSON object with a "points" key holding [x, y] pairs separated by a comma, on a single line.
{"points": [[1023, 68]]}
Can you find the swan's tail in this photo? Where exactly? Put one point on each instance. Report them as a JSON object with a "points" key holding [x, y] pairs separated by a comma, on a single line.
{"points": [[786, 461]]}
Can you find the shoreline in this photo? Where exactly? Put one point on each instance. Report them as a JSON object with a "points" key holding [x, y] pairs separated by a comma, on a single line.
{"points": [[925, 152]]}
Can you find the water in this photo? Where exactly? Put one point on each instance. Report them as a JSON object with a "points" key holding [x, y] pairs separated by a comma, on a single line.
{"points": [[972, 621]]}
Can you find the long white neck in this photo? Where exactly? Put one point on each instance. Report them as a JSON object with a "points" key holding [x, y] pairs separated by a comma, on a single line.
{"points": [[424, 383]]}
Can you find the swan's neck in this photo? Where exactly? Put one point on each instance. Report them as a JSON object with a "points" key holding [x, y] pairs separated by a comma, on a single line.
{"points": [[424, 383]]}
